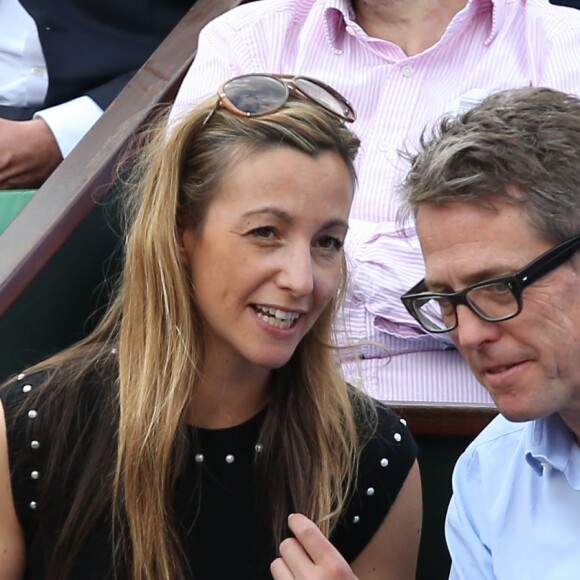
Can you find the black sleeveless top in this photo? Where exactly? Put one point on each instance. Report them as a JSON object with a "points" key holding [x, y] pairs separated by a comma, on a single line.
{"points": [[226, 535]]}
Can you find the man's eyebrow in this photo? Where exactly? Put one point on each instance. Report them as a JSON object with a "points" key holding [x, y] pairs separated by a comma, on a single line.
{"points": [[490, 273]]}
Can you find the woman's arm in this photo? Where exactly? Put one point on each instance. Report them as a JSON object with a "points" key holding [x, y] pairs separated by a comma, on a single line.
{"points": [[392, 552], [390, 555], [12, 551]]}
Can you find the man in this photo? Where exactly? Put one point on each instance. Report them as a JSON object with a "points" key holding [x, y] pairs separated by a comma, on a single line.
{"points": [[402, 65], [63, 62], [495, 194]]}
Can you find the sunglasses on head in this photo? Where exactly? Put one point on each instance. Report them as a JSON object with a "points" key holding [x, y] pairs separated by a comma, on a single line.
{"points": [[255, 95]]}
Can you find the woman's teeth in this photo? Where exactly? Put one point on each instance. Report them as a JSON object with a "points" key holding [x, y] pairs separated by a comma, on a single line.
{"points": [[274, 317]]}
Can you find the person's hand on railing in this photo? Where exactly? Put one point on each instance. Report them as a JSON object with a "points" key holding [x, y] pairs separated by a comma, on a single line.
{"points": [[28, 153]]}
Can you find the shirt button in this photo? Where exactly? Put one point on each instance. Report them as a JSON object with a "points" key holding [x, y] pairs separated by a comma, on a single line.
{"points": [[37, 71], [385, 146], [407, 71]]}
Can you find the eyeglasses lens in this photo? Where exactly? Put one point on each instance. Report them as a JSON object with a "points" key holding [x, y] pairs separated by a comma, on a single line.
{"points": [[256, 95], [430, 309], [325, 98], [493, 301]]}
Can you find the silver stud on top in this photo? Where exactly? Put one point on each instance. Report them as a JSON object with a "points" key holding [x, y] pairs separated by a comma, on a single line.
{"points": [[371, 491], [34, 444], [20, 376], [384, 462], [258, 447], [229, 458], [403, 421], [32, 505], [356, 519], [34, 474], [32, 414], [199, 457], [27, 388], [397, 437]]}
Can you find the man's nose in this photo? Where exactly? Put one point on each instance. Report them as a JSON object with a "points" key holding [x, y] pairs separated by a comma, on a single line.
{"points": [[472, 330]]}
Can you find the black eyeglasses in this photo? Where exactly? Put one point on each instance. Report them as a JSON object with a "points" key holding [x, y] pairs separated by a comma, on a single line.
{"points": [[254, 95], [492, 300]]}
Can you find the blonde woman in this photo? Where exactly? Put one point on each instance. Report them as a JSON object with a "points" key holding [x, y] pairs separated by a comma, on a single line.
{"points": [[203, 430]]}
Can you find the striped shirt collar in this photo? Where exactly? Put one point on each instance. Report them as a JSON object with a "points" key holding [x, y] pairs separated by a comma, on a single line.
{"points": [[338, 17]]}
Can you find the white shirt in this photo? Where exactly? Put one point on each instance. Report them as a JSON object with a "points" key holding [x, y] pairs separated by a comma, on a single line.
{"points": [[24, 79], [515, 510]]}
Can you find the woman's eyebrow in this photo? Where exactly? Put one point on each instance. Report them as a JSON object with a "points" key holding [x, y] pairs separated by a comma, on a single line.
{"points": [[279, 213], [286, 217]]}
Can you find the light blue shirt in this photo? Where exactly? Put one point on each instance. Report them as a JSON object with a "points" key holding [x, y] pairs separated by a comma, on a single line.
{"points": [[515, 510]]}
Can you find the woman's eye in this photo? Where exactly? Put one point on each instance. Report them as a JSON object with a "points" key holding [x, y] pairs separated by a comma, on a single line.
{"points": [[330, 243], [263, 232]]}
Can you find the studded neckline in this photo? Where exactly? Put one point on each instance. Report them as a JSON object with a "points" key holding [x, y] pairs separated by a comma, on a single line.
{"points": [[229, 445], [228, 456]]}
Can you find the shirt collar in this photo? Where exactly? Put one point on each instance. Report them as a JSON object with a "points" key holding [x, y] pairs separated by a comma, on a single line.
{"points": [[338, 14], [549, 444], [495, 8]]}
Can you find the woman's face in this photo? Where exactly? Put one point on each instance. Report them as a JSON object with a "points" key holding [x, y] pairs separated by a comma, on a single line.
{"points": [[268, 258]]}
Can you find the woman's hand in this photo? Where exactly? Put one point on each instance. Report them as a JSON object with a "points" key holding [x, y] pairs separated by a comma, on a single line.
{"points": [[309, 555]]}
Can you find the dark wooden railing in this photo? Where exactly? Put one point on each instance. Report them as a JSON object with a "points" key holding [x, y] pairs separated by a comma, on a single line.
{"points": [[446, 418]]}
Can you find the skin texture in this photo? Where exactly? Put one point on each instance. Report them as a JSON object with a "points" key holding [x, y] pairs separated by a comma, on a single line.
{"points": [[392, 552], [272, 237], [529, 364], [28, 153]]}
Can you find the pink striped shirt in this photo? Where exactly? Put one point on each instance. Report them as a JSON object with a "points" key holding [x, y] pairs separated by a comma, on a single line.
{"points": [[488, 46]]}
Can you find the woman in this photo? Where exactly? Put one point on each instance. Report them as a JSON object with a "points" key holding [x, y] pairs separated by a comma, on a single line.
{"points": [[176, 440]]}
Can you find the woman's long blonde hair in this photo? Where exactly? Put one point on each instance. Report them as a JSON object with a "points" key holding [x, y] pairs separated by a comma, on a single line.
{"points": [[310, 437]]}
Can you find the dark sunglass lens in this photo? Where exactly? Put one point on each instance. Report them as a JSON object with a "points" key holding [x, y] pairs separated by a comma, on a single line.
{"points": [[322, 96], [256, 94]]}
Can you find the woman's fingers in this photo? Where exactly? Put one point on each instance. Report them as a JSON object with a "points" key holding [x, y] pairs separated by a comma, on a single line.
{"points": [[309, 555]]}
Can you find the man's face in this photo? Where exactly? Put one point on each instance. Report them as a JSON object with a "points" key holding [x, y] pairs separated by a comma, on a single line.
{"points": [[530, 364]]}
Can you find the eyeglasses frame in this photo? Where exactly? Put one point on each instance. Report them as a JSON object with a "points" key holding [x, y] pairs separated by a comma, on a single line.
{"points": [[517, 283], [289, 83]]}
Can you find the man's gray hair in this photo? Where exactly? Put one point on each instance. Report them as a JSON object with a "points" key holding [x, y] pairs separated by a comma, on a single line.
{"points": [[521, 146]]}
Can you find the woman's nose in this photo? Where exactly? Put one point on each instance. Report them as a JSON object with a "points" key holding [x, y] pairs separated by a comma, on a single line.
{"points": [[296, 272]]}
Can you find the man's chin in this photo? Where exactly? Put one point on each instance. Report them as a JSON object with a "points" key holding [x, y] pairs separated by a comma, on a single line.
{"points": [[518, 413]]}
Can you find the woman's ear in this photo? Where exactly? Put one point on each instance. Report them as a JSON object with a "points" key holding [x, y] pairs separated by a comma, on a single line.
{"points": [[185, 242]]}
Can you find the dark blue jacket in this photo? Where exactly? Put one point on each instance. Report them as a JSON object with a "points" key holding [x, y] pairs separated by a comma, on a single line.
{"points": [[93, 47]]}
